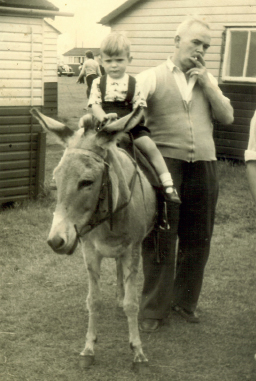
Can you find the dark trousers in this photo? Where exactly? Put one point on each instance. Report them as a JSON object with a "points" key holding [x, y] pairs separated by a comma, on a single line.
{"points": [[89, 80], [192, 223]]}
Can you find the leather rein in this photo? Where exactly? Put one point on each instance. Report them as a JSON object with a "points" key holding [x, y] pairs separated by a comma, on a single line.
{"points": [[106, 191]]}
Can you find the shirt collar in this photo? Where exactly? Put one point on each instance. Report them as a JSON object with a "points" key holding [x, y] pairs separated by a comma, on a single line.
{"points": [[124, 79], [171, 65]]}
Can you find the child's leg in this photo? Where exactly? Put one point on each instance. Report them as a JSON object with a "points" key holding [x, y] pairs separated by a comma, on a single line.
{"points": [[149, 148]]}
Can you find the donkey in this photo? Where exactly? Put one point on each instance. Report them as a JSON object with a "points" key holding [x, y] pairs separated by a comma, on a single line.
{"points": [[105, 202]]}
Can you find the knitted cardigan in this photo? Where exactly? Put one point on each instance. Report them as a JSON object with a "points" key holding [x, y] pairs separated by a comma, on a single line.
{"points": [[181, 130]]}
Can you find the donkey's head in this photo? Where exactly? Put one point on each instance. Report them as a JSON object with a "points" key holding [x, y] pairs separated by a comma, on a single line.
{"points": [[78, 176]]}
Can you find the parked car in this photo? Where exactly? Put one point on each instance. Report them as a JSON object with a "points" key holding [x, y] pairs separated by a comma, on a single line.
{"points": [[65, 70]]}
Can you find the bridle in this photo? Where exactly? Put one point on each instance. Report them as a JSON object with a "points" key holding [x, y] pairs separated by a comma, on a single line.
{"points": [[98, 217]]}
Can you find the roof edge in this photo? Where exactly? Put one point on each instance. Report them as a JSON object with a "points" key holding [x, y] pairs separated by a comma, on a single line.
{"points": [[34, 12], [116, 12], [68, 53]]}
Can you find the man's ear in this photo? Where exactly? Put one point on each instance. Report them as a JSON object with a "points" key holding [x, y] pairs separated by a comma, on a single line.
{"points": [[130, 59], [177, 41]]}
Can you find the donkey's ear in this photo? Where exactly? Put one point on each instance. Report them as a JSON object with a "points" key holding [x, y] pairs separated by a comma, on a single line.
{"points": [[62, 132], [114, 131], [125, 123]]}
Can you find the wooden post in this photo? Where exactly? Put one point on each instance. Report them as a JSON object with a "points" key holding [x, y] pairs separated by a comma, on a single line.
{"points": [[40, 167]]}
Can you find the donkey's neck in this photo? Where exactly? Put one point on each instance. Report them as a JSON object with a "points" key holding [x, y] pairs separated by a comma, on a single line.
{"points": [[121, 172]]}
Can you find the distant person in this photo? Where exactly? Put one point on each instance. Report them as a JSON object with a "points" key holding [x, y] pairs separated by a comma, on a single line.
{"points": [[82, 76], [90, 70], [250, 158], [116, 94], [98, 59]]}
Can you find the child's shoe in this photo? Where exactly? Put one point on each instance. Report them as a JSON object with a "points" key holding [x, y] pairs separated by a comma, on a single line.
{"points": [[172, 196]]}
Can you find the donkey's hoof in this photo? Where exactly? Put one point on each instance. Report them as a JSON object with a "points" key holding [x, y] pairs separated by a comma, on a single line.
{"points": [[140, 367], [86, 361]]}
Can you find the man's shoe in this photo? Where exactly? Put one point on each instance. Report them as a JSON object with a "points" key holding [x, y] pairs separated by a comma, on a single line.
{"points": [[149, 325], [189, 316]]}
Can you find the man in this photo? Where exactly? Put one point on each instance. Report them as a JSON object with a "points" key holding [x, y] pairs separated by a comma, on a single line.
{"points": [[182, 99], [90, 70], [250, 158]]}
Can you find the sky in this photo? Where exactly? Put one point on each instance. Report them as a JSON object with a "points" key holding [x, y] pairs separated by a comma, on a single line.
{"points": [[82, 30]]}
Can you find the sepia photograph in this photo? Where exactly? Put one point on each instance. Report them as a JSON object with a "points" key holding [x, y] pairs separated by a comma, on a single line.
{"points": [[127, 190]]}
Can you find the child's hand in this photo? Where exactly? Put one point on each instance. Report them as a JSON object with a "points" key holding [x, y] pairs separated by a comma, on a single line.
{"points": [[108, 118]]}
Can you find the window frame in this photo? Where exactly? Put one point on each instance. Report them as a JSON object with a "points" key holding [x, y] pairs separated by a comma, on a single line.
{"points": [[80, 59], [227, 78]]}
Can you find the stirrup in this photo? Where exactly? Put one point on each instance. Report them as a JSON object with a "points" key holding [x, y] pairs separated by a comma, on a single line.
{"points": [[163, 220]]}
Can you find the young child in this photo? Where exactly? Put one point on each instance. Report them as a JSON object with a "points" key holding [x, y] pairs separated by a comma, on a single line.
{"points": [[116, 94]]}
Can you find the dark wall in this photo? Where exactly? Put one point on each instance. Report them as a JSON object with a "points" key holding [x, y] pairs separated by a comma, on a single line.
{"points": [[22, 154], [50, 99], [231, 141]]}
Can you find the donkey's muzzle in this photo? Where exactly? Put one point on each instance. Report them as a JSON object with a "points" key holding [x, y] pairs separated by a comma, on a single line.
{"points": [[59, 245]]}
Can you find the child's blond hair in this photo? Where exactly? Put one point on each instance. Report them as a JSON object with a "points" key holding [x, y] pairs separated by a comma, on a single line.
{"points": [[115, 44]]}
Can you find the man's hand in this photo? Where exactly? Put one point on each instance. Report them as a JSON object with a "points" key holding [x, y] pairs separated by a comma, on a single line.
{"points": [[80, 79], [199, 70]]}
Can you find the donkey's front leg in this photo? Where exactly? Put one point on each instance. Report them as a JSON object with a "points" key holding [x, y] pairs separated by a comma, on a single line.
{"points": [[93, 304], [131, 306], [119, 283]]}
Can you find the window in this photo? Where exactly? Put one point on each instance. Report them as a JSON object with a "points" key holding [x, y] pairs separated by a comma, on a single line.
{"points": [[70, 60], [240, 55], [78, 60]]}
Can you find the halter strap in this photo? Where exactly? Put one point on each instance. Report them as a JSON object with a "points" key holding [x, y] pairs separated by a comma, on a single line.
{"points": [[106, 183], [130, 90]]}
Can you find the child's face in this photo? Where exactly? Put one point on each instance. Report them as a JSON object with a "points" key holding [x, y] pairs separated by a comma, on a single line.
{"points": [[115, 66]]}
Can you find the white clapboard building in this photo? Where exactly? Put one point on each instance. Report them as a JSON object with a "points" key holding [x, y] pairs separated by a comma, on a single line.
{"points": [[28, 78], [151, 24]]}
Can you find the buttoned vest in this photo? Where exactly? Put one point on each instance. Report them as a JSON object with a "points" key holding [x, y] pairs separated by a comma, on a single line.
{"points": [[181, 130]]}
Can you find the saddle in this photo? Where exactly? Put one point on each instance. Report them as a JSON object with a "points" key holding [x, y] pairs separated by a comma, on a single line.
{"points": [[149, 171]]}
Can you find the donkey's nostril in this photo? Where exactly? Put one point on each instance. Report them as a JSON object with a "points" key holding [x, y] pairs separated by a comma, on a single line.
{"points": [[56, 243]]}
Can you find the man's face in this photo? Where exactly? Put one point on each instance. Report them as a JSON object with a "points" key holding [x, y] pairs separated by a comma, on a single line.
{"points": [[192, 43]]}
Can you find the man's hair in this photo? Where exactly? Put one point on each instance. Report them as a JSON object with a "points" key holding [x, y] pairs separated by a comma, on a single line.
{"points": [[115, 44], [185, 25], [89, 54]]}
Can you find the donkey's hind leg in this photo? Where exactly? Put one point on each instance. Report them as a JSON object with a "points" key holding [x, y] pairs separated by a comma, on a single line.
{"points": [[130, 264], [93, 304]]}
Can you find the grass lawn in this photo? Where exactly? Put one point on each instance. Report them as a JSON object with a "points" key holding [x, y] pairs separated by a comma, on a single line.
{"points": [[43, 316]]}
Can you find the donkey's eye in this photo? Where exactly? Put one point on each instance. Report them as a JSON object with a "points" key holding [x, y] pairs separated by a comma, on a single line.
{"points": [[84, 183]]}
